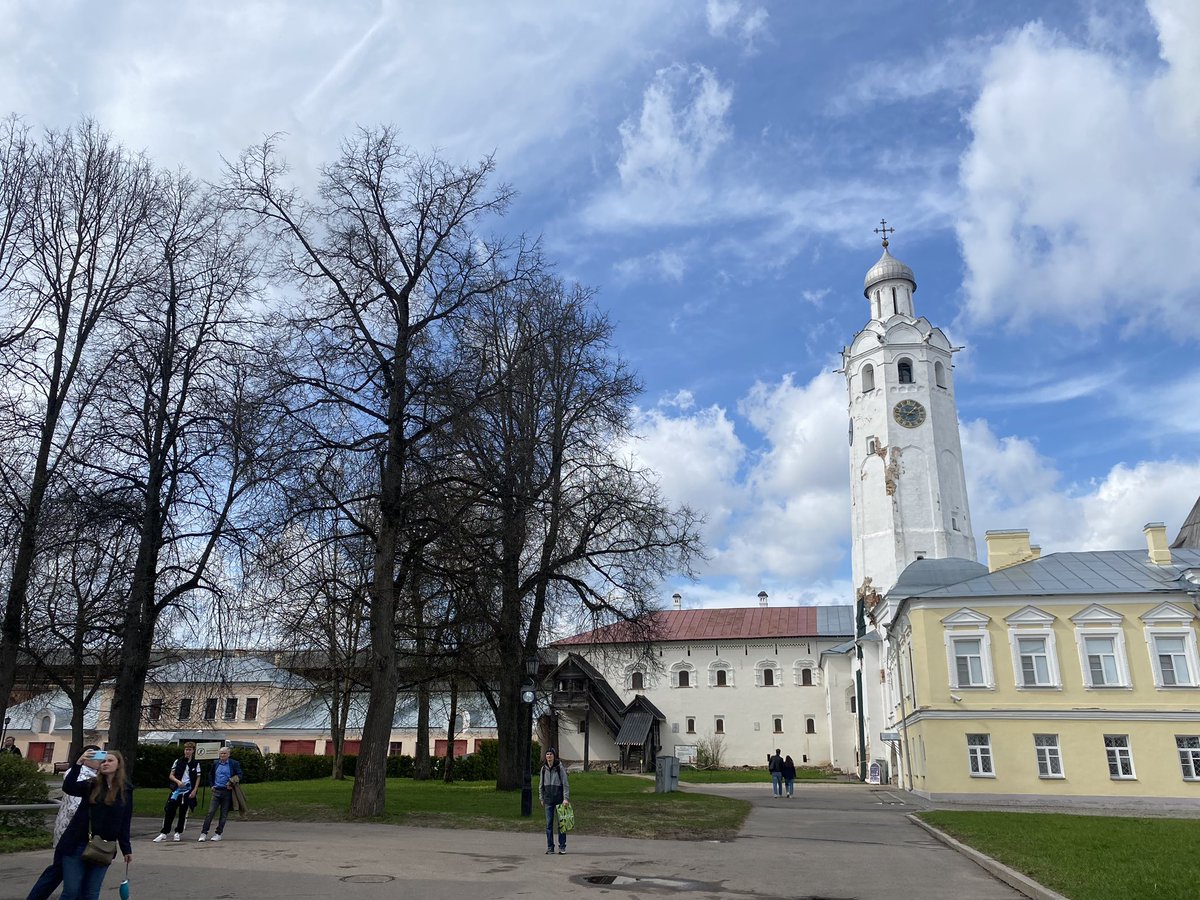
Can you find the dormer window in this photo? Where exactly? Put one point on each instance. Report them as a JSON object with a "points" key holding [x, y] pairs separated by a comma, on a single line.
{"points": [[904, 371]]}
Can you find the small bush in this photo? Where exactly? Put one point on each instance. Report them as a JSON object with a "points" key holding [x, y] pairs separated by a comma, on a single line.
{"points": [[400, 767], [254, 764], [298, 767], [152, 768], [21, 782]]}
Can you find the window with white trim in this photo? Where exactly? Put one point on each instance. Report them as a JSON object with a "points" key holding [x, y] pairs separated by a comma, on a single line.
{"points": [[683, 675], [720, 674], [968, 650], [767, 673], [1120, 756], [1189, 755], [1100, 654], [719, 725], [1101, 640], [1034, 661], [979, 755], [968, 661], [1174, 658], [1049, 756]]}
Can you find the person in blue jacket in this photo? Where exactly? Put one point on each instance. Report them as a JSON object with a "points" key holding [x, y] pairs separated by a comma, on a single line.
{"points": [[222, 776]]}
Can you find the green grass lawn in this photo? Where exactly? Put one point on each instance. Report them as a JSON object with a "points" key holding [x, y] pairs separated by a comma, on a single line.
{"points": [[613, 805], [14, 839], [1086, 857], [749, 776]]}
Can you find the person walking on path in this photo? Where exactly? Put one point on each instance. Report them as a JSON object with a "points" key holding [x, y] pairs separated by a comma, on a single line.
{"points": [[105, 809], [789, 775], [185, 781], [554, 792], [223, 777], [775, 767], [51, 877]]}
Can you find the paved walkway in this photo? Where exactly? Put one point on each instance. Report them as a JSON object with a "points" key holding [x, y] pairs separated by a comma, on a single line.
{"points": [[834, 841]]}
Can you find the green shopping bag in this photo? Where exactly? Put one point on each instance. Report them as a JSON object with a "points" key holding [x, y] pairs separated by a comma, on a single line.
{"points": [[566, 818]]}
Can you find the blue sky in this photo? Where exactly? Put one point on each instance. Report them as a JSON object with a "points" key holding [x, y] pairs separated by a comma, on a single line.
{"points": [[716, 169]]}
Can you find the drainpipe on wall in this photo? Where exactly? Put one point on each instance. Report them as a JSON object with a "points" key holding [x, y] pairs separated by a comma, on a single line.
{"points": [[860, 632]]}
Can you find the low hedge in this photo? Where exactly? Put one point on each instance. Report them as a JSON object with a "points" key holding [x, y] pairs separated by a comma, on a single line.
{"points": [[21, 782], [154, 763]]}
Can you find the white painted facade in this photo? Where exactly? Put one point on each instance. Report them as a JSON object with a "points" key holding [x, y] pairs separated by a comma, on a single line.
{"points": [[908, 490], [813, 723], [907, 484]]}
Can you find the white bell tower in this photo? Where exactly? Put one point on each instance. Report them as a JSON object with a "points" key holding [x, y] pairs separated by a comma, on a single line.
{"points": [[907, 486]]}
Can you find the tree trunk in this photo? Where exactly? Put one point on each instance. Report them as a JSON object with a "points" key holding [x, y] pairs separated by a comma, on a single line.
{"points": [[422, 768], [448, 767]]}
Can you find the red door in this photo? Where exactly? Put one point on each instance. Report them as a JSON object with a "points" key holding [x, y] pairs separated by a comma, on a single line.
{"points": [[460, 748], [308, 748], [41, 751], [349, 748]]}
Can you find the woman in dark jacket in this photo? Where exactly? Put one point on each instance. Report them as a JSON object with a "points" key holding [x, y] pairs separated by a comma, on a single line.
{"points": [[105, 810], [789, 775]]}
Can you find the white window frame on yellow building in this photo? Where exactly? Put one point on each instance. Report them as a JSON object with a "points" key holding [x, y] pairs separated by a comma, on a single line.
{"points": [[1031, 622], [967, 624], [975, 750], [1053, 752], [1170, 621], [1189, 757], [1097, 621], [1128, 748]]}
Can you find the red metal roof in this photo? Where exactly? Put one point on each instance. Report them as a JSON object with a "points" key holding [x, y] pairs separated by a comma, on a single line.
{"points": [[714, 624]]}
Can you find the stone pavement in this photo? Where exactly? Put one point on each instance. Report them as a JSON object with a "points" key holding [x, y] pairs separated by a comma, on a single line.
{"points": [[834, 841]]}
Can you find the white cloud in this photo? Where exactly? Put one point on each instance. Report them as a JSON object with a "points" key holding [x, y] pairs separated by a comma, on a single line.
{"points": [[952, 67], [1011, 485], [661, 265], [1080, 171], [732, 18], [190, 81]]}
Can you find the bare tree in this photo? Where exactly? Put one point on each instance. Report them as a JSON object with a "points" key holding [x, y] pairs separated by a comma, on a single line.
{"points": [[188, 414], [72, 626], [88, 208], [565, 527], [383, 259]]}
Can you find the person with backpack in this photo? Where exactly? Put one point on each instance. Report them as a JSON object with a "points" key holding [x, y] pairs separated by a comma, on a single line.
{"points": [[185, 781], [775, 767], [554, 792]]}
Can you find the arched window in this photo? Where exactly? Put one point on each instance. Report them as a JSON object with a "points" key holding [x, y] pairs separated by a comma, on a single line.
{"points": [[722, 678], [459, 723], [768, 678], [637, 682], [868, 378], [45, 729], [720, 729], [810, 726], [806, 677], [895, 308], [904, 371], [691, 725], [779, 726], [720, 674], [939, 374], [683, 678]]}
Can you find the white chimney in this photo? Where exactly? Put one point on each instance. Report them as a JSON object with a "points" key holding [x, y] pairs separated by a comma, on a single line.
{"points": [[762, 598], [678, 601], [1156, 543]]}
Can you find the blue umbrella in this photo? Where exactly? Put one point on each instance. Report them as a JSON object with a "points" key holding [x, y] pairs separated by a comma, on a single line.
{"points": [[124, 889]]}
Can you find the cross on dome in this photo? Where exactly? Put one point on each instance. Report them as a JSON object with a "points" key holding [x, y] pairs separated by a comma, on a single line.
{"points": [[884, 230]]}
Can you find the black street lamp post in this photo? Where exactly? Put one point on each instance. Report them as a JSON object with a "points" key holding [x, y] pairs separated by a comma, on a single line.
{"points": [[528, 696]]}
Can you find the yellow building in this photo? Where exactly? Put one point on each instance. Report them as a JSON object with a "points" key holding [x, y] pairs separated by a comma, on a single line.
{"points": [[1072, 678]]}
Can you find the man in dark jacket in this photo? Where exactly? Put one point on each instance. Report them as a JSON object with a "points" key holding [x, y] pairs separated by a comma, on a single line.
{"points": [[223, 776], [775, 767]]}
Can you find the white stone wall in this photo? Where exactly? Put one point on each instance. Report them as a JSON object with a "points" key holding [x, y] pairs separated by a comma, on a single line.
{"points": [[747, 707]]}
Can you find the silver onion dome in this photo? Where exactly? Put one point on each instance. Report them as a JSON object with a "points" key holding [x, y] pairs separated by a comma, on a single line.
{"points": [[887, 268]]}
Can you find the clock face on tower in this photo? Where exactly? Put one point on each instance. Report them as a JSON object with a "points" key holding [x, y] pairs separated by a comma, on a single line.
{"points": [[909, 413]]}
